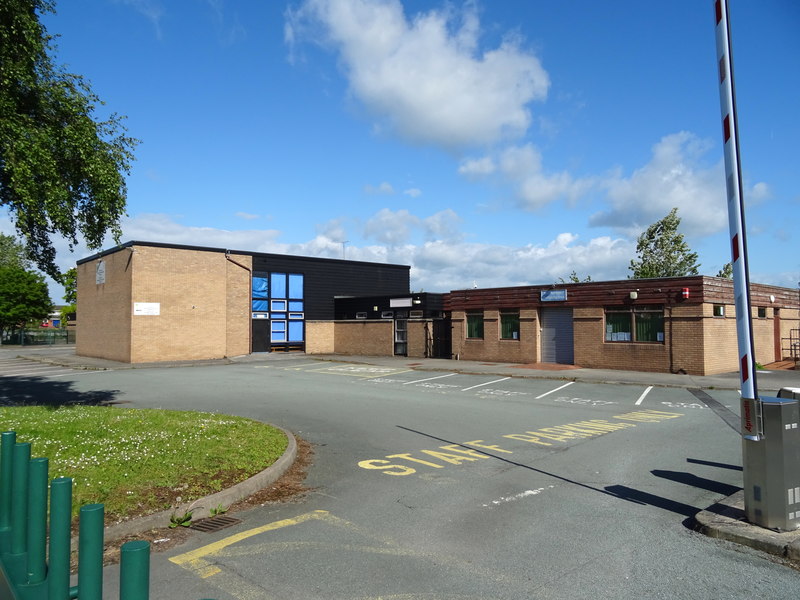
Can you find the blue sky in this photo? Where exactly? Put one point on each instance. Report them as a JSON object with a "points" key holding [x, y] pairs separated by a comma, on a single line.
{"points": [[489, 143]]}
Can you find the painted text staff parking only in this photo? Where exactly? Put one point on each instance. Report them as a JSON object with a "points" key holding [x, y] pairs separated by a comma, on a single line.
{"points": [[476, 450]]}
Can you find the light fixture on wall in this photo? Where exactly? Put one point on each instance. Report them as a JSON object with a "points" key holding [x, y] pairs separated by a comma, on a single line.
{"points": [[634, 294]]}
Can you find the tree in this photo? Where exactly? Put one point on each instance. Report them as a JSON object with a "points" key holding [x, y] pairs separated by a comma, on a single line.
{"points": [[573, 278], [12, 253], [23, 297], [70, 281], [662, 251], [61, 171], [726, 271]]}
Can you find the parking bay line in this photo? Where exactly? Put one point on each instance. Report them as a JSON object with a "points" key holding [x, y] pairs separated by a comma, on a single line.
{"points": [[483, 384], [555, 390], [429, 378], [642, 397]]}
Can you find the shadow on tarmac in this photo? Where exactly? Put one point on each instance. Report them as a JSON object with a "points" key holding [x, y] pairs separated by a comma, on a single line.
{"points": [[37, 391]]}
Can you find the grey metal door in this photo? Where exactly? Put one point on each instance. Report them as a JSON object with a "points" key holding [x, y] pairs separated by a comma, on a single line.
{"points": [[557, 338]]}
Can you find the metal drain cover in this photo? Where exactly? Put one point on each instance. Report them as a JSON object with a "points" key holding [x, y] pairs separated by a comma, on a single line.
{"points": [[214, 523]]}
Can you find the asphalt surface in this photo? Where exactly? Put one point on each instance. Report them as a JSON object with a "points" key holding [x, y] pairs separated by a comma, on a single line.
{"points": [[456, 530]]}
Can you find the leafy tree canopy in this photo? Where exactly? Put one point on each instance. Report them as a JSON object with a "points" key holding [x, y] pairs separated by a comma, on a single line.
{"points": [[23, 296], [662, 252], [12, 253], [726, 271], [61, 171]]}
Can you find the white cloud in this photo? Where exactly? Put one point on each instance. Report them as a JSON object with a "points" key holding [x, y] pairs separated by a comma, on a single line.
{"points": [[247, 216], [382, 188], [390, 227], [413, 192], [674, 177], [424, 77], [521, 167]]}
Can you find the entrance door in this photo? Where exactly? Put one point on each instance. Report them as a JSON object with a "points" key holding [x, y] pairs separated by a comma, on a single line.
{"points": [[557, 340], [401, 337]]}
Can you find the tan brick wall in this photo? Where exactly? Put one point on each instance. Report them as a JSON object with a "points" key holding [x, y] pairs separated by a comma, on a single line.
{"points": [[104, 310], [237, 303], [320, 337], [190, 287], [419, 338], [493, 349], [370, 338]]}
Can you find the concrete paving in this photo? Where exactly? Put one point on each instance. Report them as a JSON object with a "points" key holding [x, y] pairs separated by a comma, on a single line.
{"points": [[724, 520]]}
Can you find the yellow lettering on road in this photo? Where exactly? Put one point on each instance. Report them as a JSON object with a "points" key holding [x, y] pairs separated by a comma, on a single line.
{"points": [[526, 438], [418, 460], [451, 458], [385, 466], [468, 451], [480, 444], [648, 416]]}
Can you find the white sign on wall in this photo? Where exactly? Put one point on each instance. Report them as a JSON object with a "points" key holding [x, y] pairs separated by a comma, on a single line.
{"points": [[100, 272], [146, 308]]}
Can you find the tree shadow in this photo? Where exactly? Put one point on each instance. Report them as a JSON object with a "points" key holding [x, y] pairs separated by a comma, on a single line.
{"points": [[39, 391]]}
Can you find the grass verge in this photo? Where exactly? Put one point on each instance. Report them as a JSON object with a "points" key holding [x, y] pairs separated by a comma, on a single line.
{"points": [[141, 461]]}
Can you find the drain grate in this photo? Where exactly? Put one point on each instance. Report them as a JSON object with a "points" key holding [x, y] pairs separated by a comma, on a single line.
{"points": [[214, 523]]}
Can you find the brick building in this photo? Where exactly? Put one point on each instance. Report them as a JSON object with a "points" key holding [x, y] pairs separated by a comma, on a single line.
{"points": [[146, 302], [678, 325]]}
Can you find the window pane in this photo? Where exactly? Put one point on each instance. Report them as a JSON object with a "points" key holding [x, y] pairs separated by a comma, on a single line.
{"points": [[278, 331], [475, 325], [648, 327], [295, 331], [278, 282], [509, 326], [295, 286], [296, 305], [260, 287], [618, 327], [278, 305], [260, 305]]}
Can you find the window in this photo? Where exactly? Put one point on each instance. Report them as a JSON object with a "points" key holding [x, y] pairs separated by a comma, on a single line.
{"points": [[762, 312], [719, 310], [636, 324], [509, 325], [361, 315], [475, 325]]}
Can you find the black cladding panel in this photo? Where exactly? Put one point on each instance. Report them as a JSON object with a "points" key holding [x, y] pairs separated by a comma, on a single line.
{"points": [[325, 279]]}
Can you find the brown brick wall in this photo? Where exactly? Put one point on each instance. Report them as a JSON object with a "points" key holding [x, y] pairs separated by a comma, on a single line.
{"points": [[493, 349], [370, 338], [320, 337], [104, 329], [419, 338]]}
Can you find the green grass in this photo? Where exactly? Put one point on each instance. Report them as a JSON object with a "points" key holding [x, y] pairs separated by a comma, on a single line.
{"points": [[140, 461]]}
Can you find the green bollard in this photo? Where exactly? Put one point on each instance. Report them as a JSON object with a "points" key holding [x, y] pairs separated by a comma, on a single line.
{"points": [[37, 520], [7, 441], [19, 497], [90, 552], [60, 518], [134, 580]]}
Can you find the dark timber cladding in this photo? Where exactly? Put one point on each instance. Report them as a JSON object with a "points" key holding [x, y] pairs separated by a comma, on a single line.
{"points": [[327, 278]]}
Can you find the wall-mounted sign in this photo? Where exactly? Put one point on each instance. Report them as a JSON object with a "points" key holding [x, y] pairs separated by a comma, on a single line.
{"points": [[100, 272], [146, 308], [553, 295], [399, 302]]}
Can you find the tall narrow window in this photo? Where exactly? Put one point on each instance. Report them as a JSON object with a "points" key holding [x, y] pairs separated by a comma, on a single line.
{"points": [[475, 325], [509, 325]]}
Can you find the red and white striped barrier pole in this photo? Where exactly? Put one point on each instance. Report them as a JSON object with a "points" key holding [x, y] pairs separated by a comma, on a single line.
{"points": [[752, 427]]}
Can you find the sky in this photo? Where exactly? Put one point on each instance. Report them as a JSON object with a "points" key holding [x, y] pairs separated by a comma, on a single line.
{"points": [[484, 143]]}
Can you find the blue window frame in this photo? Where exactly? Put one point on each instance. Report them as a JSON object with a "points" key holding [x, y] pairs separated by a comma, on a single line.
{"points": [[278, 283], [278, 305], [260, 305], [295, 285], [260, 287], [296, 305]]}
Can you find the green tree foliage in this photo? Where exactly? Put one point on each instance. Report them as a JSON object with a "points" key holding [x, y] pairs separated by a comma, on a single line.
{"points": [[12, 253], [662, 252], [574, 278], [726, 271], [70, 281], [23, 297], [61, 171]]}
